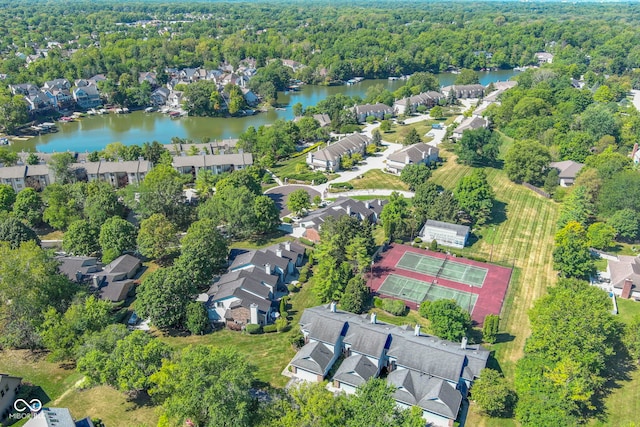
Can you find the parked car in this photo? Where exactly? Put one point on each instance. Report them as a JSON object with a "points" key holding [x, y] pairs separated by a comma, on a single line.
{"points": [[133, 320]]}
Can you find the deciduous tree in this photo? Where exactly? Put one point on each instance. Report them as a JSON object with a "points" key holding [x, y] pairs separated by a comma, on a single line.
{"points": [[157, 237]]}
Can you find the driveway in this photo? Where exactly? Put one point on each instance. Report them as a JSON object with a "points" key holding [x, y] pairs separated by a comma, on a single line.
{"points": [[280, 195]]}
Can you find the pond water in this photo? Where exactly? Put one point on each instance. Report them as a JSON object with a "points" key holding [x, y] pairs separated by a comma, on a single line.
{"points": [[94, 133]]}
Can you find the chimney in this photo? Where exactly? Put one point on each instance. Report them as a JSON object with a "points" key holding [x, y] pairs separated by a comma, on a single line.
{"points": [[416, 330], [626, 289], [279, 253], [349, 210], [407, 159], [253, 308], [287, 245], [78, 276], [96, 283], [373, 318], [332, 307], [267, 268], [463, 344]]}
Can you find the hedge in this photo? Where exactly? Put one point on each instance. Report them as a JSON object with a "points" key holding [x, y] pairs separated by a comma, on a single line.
{"points": [[253, 329], [269, 329], [316, 177], [394, 306]]}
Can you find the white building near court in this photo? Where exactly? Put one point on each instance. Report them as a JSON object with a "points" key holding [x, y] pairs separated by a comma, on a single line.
{"points": [[445, 233]]}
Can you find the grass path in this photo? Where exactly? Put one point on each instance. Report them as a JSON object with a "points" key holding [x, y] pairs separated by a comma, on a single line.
{"points": [[525, 240]]}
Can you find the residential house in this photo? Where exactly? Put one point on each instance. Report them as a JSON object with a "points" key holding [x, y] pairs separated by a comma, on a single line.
{"points": [[87, 96], [463, 91], [57, 417], [216, 163], [189, 74], [425, 371], [369, 211], [38, 103], [567, 171], [379, 111], [149, 77], [24, 89], [410, 105], [445, 233], [243, 297], [13, 176], [250, 291], [160, 96], [323, 119], [58, 98], [57, 84], [415, 154], [250, 97], [328, 158], [38, 176], [469, 123], [78, 269], [175, 99], [294, 65], [115, 281], [544, 57], [9, 387], [118, 174], [624, 274], [97, 79]]}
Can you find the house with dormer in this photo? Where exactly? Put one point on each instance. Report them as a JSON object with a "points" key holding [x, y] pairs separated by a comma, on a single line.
{"points": [[87, 96], [415, 154], [57, 84], [410, 104], [328, 158], [378, 111], [425, 371]]}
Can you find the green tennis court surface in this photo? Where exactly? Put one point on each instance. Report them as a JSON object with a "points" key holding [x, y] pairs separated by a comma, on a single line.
{"points": [[445, 268], [417, 291]]}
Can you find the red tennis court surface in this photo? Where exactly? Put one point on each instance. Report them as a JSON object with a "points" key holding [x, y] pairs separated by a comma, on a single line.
{"points": [[490, 296]]}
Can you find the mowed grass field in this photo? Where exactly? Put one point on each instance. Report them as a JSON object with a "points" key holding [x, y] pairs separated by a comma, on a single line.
{"points": [[375, 179], [523, 237]]}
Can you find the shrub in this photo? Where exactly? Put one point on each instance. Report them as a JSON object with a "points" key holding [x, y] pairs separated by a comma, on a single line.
{"points": [[342, 185], [234, 326], [306, 241], [253, 329], [304, 274], [267, 329], [417, 240], [394, 306], [297, 340], [283, 306], [424, 308], [377, 302], [433, 245], [293, 288], [316, 177], [398, 241], [281, 324], [287, 220]]}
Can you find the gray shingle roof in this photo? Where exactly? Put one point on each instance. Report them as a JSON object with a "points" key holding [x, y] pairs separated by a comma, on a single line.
{"points": [[425, 391], [367, 338], [259, 259], [627, 267], [461, 230], [13, 172], [416, 153], [471, 123], [371, 109], [350, 144], [313, 357], [126, 264], [213, 160], [355, 370], [71, 265], [567, 169]]}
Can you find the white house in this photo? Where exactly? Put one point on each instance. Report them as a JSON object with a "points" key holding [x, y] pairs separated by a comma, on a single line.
{"points": [[567, 171], [415, 154], [445, 233], [410, 105], [424, 370], [9, 387], [328, 158], [470, 123]]}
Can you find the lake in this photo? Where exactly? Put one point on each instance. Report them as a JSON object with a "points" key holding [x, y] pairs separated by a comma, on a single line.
{"points": [[94, 133]]}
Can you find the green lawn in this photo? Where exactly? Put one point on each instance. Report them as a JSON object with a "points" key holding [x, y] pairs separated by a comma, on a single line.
{"points": [[376, 179], [270, 353], [399, 132], [523, 237]]}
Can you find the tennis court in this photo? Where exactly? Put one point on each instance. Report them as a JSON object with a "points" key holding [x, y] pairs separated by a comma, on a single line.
{"points": [[417, 291], [445, 268]]}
